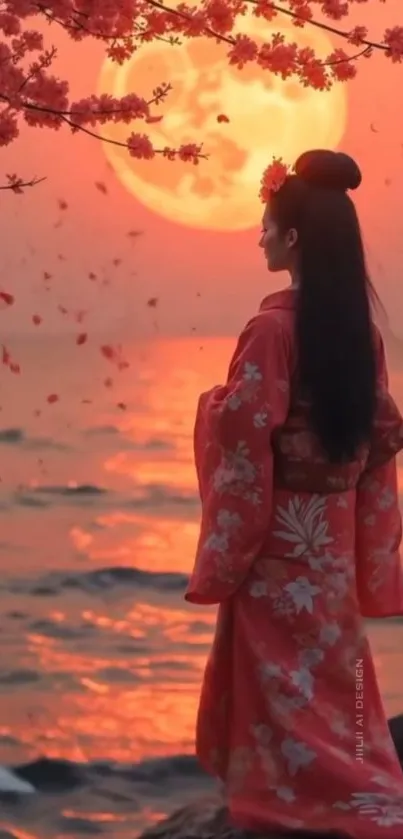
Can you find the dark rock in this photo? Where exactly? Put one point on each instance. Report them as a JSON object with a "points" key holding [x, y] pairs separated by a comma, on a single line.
{"points": [[207, 819], [51, 775]]}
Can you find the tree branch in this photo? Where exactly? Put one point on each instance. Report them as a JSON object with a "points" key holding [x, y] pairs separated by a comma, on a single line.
{"points": [[17, 185], [159, 4], [341, 33], [367, 45], [77, 127], [77, 26], [31, 106]]}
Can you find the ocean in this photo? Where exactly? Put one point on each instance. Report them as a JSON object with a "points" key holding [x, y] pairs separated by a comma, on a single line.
{"points": [[101, 658]]}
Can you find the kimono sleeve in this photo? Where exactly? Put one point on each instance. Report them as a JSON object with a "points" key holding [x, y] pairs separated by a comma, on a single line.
{"points": [[378, 517], [234, 461]]}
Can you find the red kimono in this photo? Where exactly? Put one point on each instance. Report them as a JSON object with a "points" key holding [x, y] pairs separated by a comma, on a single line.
{"points": [[296, 552]]}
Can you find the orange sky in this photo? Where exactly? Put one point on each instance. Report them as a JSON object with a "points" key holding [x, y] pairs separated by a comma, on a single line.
{"points": [[172, 262]]}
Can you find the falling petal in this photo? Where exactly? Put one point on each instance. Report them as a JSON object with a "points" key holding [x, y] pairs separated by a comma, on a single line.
{"points": [[8, 361], [108, 352], [152, 302], [101, 187], [52, 398], [114, 354], [81, 339], [36, 319], [8, 298]]}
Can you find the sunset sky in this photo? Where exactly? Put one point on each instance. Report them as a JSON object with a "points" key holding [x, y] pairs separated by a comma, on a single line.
{"points": [[208, 281]]}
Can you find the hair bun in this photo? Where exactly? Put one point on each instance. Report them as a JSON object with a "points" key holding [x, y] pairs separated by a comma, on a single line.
{"points": [[328, 169]]}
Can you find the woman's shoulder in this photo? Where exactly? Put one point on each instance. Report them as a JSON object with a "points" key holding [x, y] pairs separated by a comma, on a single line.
{"points": [[268, 326]]}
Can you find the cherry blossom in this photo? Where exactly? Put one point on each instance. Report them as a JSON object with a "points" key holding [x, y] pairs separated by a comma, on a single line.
{"points": [[273, 178], [32, 93]]}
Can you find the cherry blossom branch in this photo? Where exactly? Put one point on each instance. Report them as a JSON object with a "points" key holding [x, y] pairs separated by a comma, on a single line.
{"points": [[306, 65], [46, 109], [184, 16], [341, 33], [275, 7], [367, 45], [17, 185], [171, 153], [77, 26], [327, 27], [361, 54], [42, 99]]}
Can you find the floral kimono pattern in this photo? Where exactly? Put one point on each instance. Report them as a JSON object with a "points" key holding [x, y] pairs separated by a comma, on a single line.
{"points": [[296, 553]]}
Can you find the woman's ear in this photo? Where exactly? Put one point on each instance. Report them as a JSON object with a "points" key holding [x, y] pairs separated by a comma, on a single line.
{"points": [[292, 238]]}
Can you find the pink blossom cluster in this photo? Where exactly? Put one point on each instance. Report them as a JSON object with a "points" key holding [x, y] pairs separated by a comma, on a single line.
{"points": [[273, 178], [30, 92]]}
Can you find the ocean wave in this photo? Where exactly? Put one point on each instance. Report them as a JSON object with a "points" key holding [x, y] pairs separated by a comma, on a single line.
{"points": [[101, 579], [151, 444], [58, 775], [160, 495], [78, 489], [48, 775], [42, 496], [150, 497], [59, 797], [15, 436]]}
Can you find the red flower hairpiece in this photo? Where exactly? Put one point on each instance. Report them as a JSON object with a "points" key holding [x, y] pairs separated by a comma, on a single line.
{"points": [[273, 178]]}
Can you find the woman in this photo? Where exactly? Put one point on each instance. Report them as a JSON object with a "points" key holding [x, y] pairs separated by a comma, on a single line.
{"points": [[300, 532]]}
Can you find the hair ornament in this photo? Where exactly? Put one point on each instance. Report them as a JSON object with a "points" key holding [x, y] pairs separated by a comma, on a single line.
{"points": [[273, 178]]}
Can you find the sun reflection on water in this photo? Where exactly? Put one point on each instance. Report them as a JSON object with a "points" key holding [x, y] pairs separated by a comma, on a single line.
{"points": [[97, 665]]}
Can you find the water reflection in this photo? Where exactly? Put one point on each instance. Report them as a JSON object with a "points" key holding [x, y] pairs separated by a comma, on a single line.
{"points": [[124, 687]]}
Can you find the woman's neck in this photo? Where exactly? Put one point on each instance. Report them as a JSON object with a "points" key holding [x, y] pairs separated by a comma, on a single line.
{"points": [[294, 279]]}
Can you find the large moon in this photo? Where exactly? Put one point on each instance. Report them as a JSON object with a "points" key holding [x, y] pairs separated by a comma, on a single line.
{"points": [[267, 116]]}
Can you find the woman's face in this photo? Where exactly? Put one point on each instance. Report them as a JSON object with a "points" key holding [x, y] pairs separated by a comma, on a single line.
{"points": [[278, 248]]}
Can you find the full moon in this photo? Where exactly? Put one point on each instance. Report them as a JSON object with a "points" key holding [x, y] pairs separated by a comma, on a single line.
{"points": [[267, 117]]}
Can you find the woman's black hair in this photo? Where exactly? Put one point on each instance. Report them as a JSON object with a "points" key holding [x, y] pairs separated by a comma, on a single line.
{"points": [[334, 329]]}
